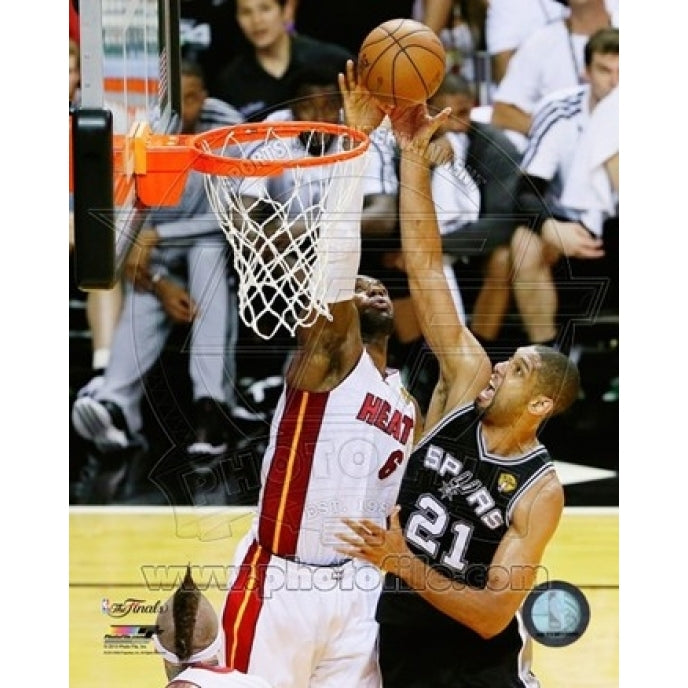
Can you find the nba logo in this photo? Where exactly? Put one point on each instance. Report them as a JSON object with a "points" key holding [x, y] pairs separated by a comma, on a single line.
{"points": [[105, 605]]}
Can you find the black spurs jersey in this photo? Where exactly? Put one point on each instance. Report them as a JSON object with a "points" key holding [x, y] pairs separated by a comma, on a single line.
{"points": [[456, 503]]}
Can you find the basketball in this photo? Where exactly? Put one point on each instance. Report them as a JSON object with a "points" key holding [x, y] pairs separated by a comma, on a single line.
{"points": [[401, 62]]}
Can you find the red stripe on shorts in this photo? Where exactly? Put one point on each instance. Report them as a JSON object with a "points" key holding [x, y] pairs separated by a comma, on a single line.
{"points": [[242, 608]]}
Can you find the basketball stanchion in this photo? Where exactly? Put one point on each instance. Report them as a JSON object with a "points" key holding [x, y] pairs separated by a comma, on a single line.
{"points": [[275, 239]]}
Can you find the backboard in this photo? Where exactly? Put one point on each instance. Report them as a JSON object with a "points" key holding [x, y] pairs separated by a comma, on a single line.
{"points": [[130, 77]]}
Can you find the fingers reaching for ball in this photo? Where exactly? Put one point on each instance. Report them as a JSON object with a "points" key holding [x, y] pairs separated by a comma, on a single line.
{"points": [[414, 127], [362, 111]]}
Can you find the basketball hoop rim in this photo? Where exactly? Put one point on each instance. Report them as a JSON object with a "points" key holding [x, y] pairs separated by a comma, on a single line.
{"points": [[227, 166]]}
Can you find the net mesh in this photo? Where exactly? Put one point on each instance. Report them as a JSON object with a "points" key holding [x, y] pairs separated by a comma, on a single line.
{"points": [[273, 224]]}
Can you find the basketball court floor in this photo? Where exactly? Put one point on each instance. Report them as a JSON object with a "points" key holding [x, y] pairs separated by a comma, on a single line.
{"points": [[124, 562]]}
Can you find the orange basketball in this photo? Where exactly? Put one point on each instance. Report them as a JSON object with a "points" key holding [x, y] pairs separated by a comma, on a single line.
{"points": [[401, 61]]}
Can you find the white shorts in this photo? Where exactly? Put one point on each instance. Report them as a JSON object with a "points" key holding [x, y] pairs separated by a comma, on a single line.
{"points": [[301, 626]]}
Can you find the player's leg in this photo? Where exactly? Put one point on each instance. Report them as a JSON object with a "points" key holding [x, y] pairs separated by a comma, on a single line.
{"points": [[270, 622], [350, 647]]}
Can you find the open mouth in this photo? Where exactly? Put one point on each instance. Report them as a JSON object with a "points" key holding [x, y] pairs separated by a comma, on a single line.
{"points": [[488, 393]]}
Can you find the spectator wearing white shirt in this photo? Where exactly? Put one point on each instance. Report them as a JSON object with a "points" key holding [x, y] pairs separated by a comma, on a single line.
{"points": [[509, 22], [549, 60], [560, 126]]}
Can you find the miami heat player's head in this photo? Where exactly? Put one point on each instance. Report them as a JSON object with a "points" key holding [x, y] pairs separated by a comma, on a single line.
{"points": [[187, 629], [537, 380], [375, 309]]}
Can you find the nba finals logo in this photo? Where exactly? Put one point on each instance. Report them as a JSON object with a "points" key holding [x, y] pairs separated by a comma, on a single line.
{"points": [[131, 605], [506, 483]]}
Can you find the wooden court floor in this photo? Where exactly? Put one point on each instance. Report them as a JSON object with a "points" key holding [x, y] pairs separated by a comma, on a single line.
{"points": [[123, 559]]}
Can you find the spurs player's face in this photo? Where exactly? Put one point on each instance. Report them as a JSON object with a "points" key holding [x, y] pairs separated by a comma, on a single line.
{"points": [[512, 385], [375, 308], [603, 74]]}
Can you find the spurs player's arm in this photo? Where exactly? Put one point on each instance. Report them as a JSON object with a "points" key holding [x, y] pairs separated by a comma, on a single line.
{"points": [[511, 575], [464, 367]]}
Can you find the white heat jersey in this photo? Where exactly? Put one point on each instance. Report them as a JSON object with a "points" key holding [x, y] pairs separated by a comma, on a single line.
{"points": [[332, 455], [217, 677]]}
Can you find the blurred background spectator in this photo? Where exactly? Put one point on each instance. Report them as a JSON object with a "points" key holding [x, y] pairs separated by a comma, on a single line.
{"points": [[210, 35], [256, 81], [561, 124], [547, 60], [509, 22], [177, 272], [348, 23]]}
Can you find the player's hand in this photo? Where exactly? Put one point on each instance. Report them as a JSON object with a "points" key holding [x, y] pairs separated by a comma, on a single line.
{"points": [[361, 110], [572, 239], [384, 548], [414, 127], [137, 265], [176, 301]]}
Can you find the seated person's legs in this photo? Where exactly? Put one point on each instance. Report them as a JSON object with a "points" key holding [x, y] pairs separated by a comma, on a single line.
{"points": [[102, 312], [110, 416], [534, 290], [492, 302], [212, 365]]}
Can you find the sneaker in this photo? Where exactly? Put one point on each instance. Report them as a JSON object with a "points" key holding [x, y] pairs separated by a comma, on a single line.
{"points": [[100, 480], [210, 418], [101, 422]]}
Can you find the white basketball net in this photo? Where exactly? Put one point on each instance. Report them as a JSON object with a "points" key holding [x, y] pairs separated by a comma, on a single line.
{"points": [[273, 227]]}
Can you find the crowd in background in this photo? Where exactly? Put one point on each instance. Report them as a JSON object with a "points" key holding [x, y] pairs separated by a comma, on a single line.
{"points": [[527, 197]]}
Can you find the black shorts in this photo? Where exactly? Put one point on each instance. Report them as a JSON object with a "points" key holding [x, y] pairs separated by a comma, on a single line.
{"points": [[414, 656]]}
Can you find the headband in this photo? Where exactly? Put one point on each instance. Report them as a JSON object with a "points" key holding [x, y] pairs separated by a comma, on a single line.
{"points": [[199, 656]]}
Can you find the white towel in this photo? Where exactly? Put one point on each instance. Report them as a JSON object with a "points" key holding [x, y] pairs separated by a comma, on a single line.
{"points": [[588, 188]]}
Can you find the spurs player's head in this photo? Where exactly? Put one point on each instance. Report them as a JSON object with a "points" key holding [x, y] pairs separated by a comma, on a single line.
{"points": [[187, 629], [535, 383]]}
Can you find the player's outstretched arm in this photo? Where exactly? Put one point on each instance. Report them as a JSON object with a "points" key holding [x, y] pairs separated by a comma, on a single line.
{"points": [[330, 348], [464, 366]]}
